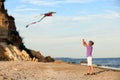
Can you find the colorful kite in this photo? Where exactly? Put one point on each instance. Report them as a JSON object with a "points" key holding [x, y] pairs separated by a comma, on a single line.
{"points": [[44, 15]]}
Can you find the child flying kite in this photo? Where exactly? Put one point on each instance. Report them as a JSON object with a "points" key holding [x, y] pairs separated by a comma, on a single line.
{"points": [[44, 15]]}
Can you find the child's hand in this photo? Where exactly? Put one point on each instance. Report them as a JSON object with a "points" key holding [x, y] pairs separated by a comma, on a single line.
{"points": [[84, 43]]}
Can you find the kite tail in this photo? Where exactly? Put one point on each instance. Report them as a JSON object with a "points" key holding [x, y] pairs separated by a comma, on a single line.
{"points": [[27, 26], [35, 22], [42, 18], [30, 24]]}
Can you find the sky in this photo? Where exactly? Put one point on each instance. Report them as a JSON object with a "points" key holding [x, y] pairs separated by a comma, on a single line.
{"points": [[61, 34]]}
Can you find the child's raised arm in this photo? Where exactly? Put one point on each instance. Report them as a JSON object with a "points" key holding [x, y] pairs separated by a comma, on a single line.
{"points": [[84, 43]]}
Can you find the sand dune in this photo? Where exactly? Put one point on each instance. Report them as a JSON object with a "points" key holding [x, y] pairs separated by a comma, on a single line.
{"points": [[52, 71]]}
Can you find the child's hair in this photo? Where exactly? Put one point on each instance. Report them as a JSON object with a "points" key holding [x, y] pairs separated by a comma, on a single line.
{"points": [[91, 42]]}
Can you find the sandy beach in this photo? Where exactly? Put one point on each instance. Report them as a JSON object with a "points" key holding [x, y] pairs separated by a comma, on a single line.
{"points": [[52, 71]]}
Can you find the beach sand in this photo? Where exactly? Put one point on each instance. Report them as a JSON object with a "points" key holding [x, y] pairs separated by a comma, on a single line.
{"points": [[52, 71]]}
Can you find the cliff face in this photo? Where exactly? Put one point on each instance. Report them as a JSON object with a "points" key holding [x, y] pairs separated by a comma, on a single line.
{"points": [[8, 30], [3, 22], [10, 40], [11, 45]]}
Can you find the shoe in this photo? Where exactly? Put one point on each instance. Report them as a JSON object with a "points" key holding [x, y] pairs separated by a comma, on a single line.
{"points": [[87, 74], [93, 74]]}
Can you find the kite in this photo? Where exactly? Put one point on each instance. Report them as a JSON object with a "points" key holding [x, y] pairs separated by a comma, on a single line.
{"points": [[44, 15]]}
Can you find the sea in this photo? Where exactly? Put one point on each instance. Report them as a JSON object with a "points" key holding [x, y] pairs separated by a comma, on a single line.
{"points": [[111, 63]]}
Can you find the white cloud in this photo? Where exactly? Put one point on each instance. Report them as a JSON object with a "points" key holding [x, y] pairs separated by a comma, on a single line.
{"points": [[79, 1], [42, 2], [53, 3], [25, 8], [112, 14]]}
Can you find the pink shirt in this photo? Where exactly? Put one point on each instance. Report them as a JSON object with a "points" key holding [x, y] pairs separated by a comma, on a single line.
{"points": [[89, 51]]}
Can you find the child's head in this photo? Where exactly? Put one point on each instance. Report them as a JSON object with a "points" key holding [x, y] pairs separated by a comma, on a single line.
{"points": [[91, 43]]}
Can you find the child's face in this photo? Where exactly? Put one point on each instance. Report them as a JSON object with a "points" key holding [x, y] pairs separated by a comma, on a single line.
{"points": [[90, 44]]}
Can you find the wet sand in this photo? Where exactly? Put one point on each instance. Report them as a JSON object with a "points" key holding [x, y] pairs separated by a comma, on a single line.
{"points": [[52, 71]]}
